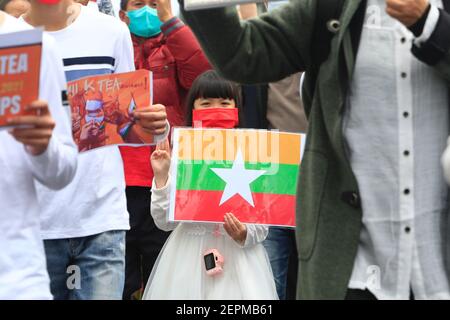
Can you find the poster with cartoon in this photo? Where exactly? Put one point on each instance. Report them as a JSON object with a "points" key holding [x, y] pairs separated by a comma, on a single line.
{"points": [[20, 63], [102, 109]]}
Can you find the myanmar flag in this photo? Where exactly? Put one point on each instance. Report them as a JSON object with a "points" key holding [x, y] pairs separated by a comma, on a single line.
{"points": [[250, 173]]}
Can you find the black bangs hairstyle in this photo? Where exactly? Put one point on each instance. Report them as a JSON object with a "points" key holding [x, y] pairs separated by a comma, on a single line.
{"points": [[210, 85]]}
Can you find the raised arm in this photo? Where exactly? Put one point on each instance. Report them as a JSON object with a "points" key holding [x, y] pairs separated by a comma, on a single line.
{"points": [[260, 50], [52, 153], [160, 161], [160, 207]]}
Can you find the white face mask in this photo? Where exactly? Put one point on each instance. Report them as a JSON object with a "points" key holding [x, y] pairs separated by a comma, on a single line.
{"points": [[93, 105], [94, 109]]}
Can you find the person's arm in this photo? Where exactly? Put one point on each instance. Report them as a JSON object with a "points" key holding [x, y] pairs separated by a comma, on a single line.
{"points": [[56, 166], [124, 52], [445, 161], [180, 41], [255, 234], [434, 49], [160, 161], [160, 206], [245, 235], [189, 57], [264, 49], [248, 11], [430, 26]]}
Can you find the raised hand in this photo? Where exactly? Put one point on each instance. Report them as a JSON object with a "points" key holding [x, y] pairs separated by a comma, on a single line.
{"points": [[164, 9], [160, 160]]}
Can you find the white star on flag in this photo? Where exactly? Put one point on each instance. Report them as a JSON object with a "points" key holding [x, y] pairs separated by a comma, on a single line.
{"points": [[238, 180]]}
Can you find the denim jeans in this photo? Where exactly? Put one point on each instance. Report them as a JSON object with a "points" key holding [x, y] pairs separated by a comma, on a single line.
{"points": [[87, 268], [282, 251]]}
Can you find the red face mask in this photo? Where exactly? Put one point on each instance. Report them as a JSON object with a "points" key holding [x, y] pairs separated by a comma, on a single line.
{"points": [[225, 118], [49, 2]]}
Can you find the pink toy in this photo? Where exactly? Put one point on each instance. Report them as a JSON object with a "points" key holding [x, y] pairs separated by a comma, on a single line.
{"points": [[213, 262]]}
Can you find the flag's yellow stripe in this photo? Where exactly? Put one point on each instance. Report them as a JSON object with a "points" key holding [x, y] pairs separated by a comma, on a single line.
{"points": [[256, 146]]}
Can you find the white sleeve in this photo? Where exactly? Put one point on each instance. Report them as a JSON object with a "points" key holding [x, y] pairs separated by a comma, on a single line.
{"points": [[255, 234], [56, 167], [430, 26], [160, 207], [445, 160], [162, 137], [124, 52]]}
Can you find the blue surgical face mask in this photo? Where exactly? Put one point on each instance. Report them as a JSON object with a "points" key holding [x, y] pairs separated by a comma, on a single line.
{"points": [[144, 22]]}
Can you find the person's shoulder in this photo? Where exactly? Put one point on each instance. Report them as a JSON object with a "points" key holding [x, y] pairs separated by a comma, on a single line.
{"points": [[100, 19], [49, 45], [11, 24], [48, 41]]}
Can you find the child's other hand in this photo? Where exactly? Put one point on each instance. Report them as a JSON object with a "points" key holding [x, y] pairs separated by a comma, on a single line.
{"points": [[235, 229], [160, 160]]}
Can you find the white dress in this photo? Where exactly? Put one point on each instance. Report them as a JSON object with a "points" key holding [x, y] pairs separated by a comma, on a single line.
{"points": [[179, 272]]}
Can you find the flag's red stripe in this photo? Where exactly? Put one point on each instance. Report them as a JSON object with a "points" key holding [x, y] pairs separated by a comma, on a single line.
{"points": [[270, 209]]}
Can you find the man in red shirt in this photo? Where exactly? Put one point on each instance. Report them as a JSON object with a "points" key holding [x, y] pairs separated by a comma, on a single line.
{"points": [[165, 46]]}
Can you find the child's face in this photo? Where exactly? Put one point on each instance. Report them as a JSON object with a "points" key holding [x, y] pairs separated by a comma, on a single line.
{"points": [[204, 103]]}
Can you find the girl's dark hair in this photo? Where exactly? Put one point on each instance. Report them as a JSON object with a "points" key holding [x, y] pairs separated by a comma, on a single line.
{"points": [[211, 85]]}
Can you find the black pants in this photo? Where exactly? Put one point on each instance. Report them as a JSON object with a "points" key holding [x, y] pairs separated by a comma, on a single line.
{"points": [[144, 241], [291, 288], [355, 294]]}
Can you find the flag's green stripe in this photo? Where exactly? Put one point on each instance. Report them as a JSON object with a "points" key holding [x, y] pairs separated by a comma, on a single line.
{"points": [[197, 175]]}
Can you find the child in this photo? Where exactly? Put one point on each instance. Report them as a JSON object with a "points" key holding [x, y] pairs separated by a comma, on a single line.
{"points": [[180, 270], [168, 48]]}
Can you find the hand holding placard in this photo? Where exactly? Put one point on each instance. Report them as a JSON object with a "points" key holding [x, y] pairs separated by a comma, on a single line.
{"points": [[34, 131], [20, 57], [152, 119]]}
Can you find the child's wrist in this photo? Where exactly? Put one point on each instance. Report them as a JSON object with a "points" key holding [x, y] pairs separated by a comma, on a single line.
{"points": [[161, 180]]}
